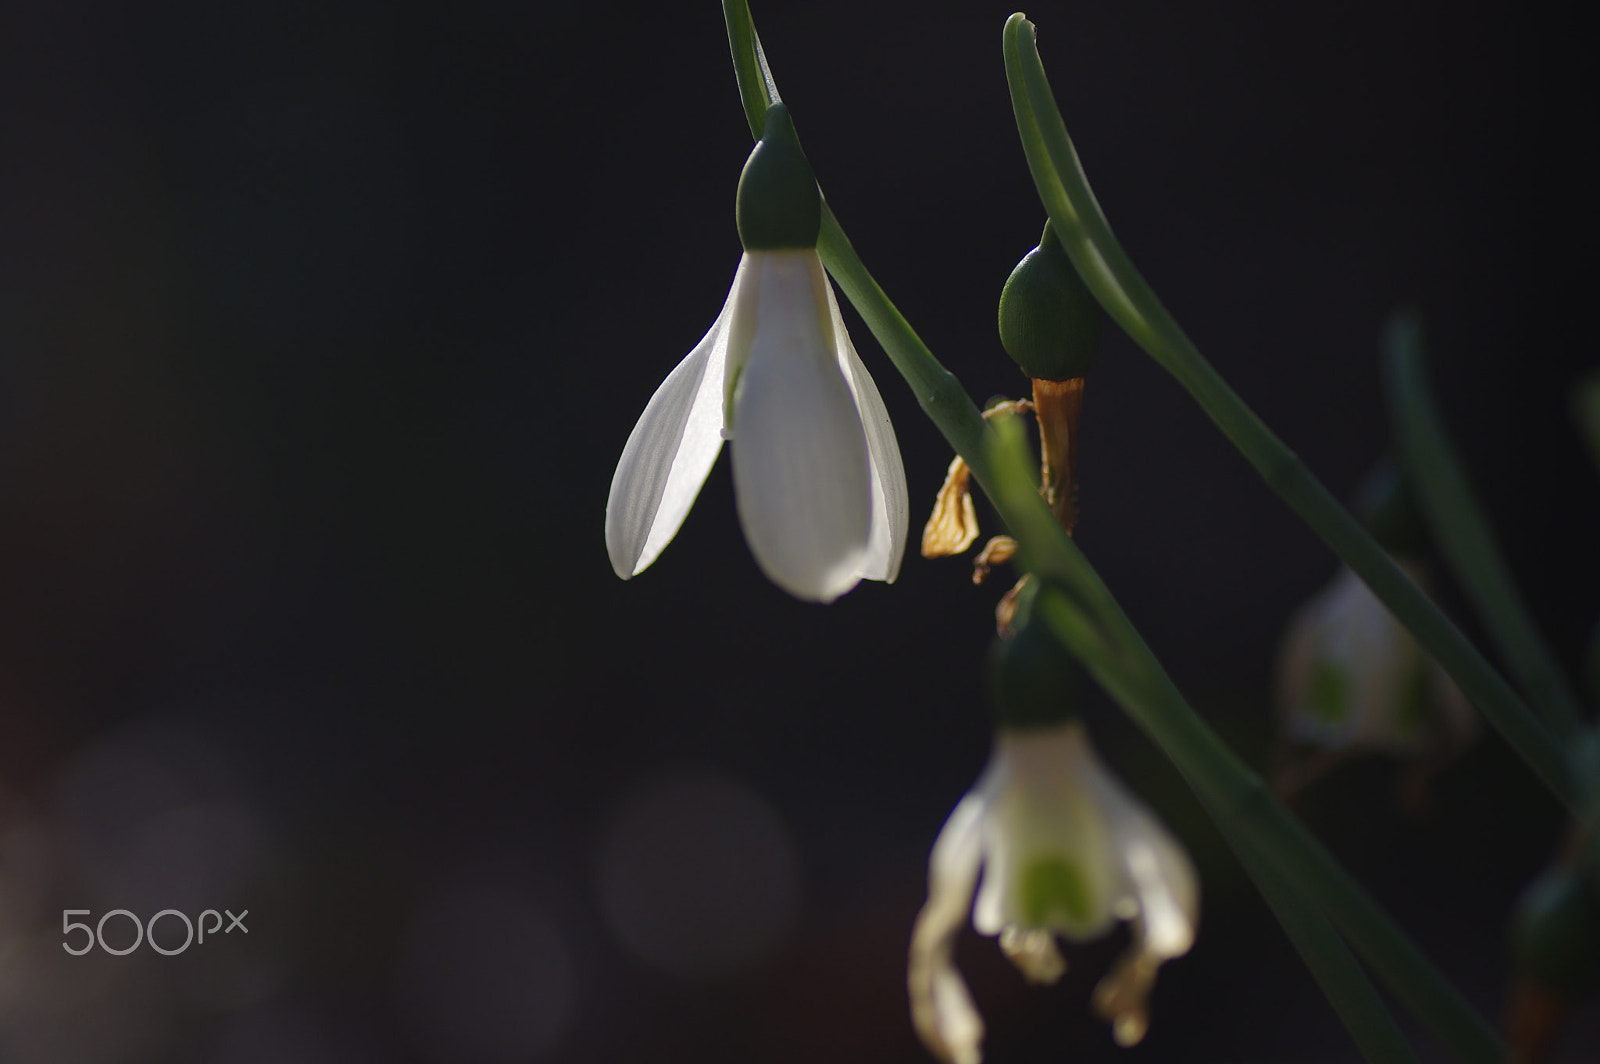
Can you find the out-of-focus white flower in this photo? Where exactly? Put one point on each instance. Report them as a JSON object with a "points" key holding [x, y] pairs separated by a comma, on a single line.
{"points": [[1063, 849], [1349, 675], [816, 470]]}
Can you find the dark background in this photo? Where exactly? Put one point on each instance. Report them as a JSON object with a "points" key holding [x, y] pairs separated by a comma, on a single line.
{"points": [[322, 327]]}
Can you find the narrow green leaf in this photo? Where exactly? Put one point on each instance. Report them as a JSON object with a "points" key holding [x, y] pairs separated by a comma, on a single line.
{"points": [[1462, 531]]}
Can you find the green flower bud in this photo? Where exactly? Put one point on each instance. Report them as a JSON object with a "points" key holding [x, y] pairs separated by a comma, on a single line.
{"points": [[778, 206], [1386, 507], [1555, 930], [1033, 680], [1049, 323]]}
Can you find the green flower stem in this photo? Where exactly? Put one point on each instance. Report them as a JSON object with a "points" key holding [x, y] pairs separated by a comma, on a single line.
{"points": [[1111, 276], [1117, 655], [757, 91], [1462, 532], [941, 396]]}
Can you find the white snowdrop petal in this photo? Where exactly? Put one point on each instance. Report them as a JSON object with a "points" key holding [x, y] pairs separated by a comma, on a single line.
{"points": [[890, 501], [957, 853], [669, 453], [941, 1009], [1346, 669], [800, 469], [959, 1036], [1165, 884], [989, 912], [1374, 651], [1042, 812], [1156, 868], [1326, 670]]}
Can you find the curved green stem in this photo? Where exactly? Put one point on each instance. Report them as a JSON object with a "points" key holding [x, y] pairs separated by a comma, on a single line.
{"points": [[757, 90], [1462, 531], [1111, 276]]}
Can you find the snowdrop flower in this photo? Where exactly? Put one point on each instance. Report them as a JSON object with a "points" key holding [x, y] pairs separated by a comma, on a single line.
{"points": [[1063, 848], [1350, 675], [820, 488]]}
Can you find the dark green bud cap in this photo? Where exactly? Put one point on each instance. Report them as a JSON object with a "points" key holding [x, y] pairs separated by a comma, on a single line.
{"points": [[1033, 681], [1555, 930], [1387, 508], [1049, 323], [778, 207]]}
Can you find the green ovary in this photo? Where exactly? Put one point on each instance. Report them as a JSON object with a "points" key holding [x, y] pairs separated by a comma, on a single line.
{"points": [[1053, 892]]}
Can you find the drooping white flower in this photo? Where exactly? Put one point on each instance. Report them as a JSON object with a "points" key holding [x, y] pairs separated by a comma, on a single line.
{"points": [[1063, 849], [1349, 675], [820, 487], [821, 492]]}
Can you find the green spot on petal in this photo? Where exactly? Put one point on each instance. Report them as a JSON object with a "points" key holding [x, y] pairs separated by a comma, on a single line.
{"points": [[1054, 893], [1329, 698]]}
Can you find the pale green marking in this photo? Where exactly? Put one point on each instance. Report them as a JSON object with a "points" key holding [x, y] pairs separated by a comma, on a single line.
{"points": [[1329, 697], [1053, 892]]}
